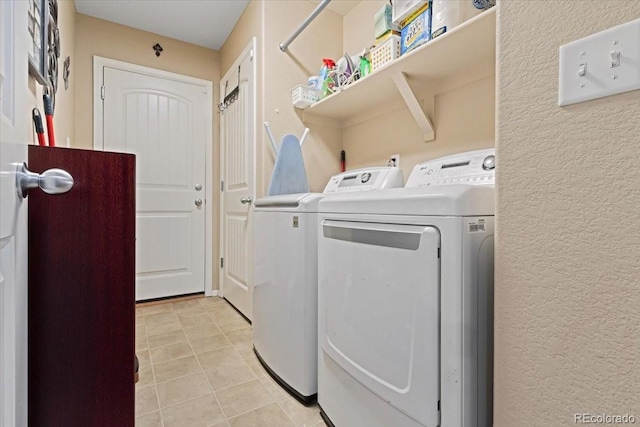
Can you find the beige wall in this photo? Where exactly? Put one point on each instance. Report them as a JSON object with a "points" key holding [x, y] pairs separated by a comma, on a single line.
{"points": [[283, 70], [102, 38], [567, 292], [463, 112], [272, 22], [358, 26], [248, 26], [65, 98]]}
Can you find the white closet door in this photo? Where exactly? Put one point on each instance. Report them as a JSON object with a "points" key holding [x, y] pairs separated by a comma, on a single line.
{"points": [[163, 122], [238, 133]]}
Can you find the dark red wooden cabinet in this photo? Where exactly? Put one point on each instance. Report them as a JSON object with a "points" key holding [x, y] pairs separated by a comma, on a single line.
{"points": [[82, 291]]}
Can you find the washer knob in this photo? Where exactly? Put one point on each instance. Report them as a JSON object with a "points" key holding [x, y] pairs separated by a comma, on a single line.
{"points": [[489, 163], [365, 177]]}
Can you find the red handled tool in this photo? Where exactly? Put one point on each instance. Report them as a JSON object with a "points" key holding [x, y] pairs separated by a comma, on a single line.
{"points": [[48, 113], [37, 122], [343, 161]]}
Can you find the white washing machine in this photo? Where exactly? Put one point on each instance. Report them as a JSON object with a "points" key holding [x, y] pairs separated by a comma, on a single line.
{"points": [[285, 295], [405, 281]]}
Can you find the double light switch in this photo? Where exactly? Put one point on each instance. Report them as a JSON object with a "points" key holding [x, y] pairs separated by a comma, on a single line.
{"points": [[602, 64]]}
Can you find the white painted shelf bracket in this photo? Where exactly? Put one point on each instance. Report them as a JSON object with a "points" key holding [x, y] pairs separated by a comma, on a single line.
{"points": [[414, 106]]}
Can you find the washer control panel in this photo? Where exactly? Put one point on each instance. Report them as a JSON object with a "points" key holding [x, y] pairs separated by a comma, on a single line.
{"points": [[473, 167], [365, 179]]}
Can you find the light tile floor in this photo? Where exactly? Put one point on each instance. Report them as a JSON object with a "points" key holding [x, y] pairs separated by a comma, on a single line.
{"points": [[197, 368]]}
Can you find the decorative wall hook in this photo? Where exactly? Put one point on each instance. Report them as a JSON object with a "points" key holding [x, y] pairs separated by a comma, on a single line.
{"points": [[158, 49]]}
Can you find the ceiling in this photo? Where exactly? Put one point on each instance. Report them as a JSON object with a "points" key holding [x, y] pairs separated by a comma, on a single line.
{"points": [[341, 7], [202, 22]]}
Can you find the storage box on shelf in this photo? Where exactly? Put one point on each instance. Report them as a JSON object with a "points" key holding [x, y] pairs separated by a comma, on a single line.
{"points": [[465, 49], [417, 30], [303, 96], [385, 52]]}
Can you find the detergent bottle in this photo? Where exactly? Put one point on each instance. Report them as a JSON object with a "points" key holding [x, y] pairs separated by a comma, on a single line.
{"points": [[325, 76]]}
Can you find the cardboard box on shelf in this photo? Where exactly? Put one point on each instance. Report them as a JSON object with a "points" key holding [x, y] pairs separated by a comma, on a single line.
{"points": [[417, 31]]}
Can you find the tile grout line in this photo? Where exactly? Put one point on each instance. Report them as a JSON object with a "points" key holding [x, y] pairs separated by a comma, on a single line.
{"points": [[153, 371], [256, 378], [182, 329], [255, 409], [196, 357], [226, 419], [285, 411], [274, 400], [211, 315], [152, 374]]}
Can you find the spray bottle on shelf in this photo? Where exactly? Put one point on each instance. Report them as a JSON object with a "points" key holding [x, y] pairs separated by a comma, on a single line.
{"points": [[325, 76], [365, 63]]}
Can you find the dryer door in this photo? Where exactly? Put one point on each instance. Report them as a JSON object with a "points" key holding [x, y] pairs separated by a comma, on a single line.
{"points": [[381, 290]]}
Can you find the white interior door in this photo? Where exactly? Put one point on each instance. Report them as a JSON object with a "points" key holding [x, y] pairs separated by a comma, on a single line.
{"points": [[14, 134], [237, 135], [165, 123]]}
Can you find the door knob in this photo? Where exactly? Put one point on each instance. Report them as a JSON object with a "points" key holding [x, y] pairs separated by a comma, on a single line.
{"points": [[246, 200], [198, 202], [198, 187], [52, 181]]}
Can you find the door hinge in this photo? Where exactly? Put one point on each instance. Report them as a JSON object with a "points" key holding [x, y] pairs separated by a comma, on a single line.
{"points": [[102, 92], [221, 262], [222, 186]]}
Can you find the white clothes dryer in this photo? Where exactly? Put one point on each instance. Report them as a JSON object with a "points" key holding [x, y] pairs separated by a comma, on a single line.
{"points": [[405, 281], [285, 294]]}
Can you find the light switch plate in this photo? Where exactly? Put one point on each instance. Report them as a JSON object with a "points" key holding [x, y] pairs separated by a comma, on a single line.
{"points": [[602, 64]]}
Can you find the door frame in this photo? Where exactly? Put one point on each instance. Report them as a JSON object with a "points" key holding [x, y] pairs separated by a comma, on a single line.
{"points": [[15, 130], [98, 142], [252, 51]]}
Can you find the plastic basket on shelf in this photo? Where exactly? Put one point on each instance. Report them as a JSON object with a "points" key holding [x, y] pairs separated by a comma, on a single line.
{"points": [[303, 96], [385, 52]]}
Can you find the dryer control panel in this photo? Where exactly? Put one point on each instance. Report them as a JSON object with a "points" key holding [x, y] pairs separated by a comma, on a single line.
{"points": [[365, 179], [473, 167]]}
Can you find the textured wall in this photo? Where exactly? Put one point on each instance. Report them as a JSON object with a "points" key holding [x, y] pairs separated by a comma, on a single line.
{"points": [[567, 297]]}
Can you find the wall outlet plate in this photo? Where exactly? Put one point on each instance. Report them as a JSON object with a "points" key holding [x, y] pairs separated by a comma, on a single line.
{"points": [[602, 64], [394, 161]]}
